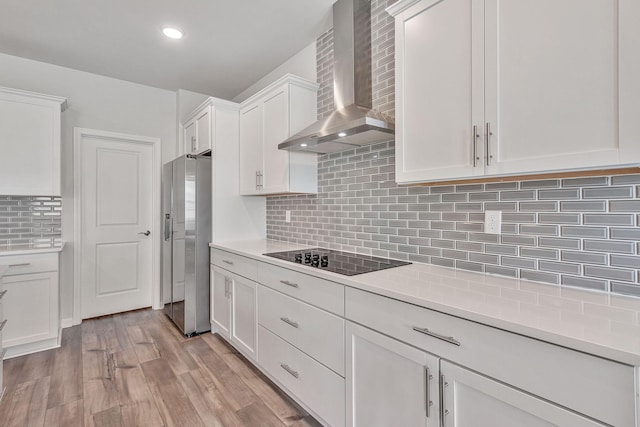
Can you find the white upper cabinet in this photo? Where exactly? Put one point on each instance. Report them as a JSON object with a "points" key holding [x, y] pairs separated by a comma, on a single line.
{"points": [[267, 119], [515, 87], [199, 128], [439, 98], [30, 141]]}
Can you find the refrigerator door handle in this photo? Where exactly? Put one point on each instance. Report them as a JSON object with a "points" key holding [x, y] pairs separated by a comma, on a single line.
{"points": [[167, 227]]}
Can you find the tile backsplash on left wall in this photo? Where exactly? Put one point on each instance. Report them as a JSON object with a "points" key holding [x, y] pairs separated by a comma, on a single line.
{"points": [[31, 221]]}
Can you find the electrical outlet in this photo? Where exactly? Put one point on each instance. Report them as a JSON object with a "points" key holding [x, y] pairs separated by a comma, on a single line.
{"points": [[493, 222], [287, 216]]}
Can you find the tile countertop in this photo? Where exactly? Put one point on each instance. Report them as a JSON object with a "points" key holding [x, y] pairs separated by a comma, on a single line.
{"points": [[589, 321], [27, 250]]}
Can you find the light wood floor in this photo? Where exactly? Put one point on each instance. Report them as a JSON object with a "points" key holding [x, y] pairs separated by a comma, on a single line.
{"points": [[136, 369]]}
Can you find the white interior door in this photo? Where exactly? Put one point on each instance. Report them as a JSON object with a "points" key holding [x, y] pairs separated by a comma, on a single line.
{"points": [[116, 214]]}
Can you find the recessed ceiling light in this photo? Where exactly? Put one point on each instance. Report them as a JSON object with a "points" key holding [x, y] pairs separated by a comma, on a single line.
{"points": [[342, 134], [303, 145], [172, 33]]}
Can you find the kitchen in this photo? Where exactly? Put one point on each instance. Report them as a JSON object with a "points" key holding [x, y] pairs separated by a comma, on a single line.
{"points": [[510, 183]]}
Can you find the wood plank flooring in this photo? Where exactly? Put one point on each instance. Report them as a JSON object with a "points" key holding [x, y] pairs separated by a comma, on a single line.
{"points": [[136, 369]]}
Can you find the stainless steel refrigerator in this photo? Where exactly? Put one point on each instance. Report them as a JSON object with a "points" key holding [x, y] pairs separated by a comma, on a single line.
{"points": [[186, 206]]}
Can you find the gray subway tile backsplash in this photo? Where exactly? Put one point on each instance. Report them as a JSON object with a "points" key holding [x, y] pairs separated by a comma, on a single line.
{"points": [[582, 232], [35, 221]]}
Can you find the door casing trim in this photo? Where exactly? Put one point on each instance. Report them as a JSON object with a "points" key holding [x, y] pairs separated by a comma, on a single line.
{"points": [[155, 143]]}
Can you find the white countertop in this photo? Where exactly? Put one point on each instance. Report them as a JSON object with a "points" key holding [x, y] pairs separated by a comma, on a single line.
{"points": [[594, 322], [27, 250]]}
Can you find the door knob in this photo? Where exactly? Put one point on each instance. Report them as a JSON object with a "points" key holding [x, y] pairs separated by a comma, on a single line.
{"points": [[146, 233]]}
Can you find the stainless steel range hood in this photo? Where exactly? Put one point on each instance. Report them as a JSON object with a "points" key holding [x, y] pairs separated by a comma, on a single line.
{"points": [[354, 123]]}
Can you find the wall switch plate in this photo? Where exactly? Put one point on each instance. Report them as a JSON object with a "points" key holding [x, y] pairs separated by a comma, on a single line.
{"points": [[287, 216], [493, 222]]}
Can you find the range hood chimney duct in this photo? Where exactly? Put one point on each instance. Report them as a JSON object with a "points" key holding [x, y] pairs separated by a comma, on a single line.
{"points": [[353, 123]]}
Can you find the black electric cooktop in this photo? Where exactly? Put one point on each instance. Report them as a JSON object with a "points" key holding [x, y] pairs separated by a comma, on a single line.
{"points": [[345, 263]]}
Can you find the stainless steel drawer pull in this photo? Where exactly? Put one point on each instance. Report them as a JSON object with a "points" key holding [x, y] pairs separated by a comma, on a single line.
{"points": [[226, 261], [425, 331], [4, 322], [289, 322], [3, 293], [291, 371], [23, 264], [288, 283]]}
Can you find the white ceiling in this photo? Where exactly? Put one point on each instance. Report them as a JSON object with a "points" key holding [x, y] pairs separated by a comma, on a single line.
{"points": [[228, 44]]}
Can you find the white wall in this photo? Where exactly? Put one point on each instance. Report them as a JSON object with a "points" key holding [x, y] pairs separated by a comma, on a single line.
{"points": [[302, 64], [95, 102]]}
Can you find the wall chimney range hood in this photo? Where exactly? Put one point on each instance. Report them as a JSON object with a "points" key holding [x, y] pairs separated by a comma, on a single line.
{"points": [[354, 123]]}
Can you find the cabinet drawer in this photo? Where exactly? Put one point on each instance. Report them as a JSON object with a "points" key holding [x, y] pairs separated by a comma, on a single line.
{"points": [[587, 384], [315, 385], [240, 265], [24, 264], [318, 292], [316, 332]]}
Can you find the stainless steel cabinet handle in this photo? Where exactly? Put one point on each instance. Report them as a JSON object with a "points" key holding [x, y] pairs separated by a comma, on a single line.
{"points": [[2, 294], [487, 139], [425, 331], [146, 233], [291, 371], [193, 143], [22, 264], [476, 135], [428, 401], [226, 261], [443, 408], [288, 283], [4, 322], [257, 180], [289, 322]]}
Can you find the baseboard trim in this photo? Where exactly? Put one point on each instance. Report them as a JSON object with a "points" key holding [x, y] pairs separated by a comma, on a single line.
{"points": [[66, 323]]}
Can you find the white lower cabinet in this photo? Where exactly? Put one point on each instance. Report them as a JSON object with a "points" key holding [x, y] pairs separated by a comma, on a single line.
{"points": [[316, 386], [281, 323], [506, 380], [243, 315], [234, 309], [31, 303], [388, 382], [473, 400], [220, 305]]}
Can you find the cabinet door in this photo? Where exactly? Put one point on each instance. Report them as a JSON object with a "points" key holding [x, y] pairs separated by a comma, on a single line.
{"points": [[472, 400], [389, 383], [203, 131], [190, 131], [30, 138], [243, 315], [276, 129], [31, 307], [439, 87], [552, 84], [250, 148], [220, 302]]}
